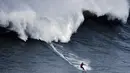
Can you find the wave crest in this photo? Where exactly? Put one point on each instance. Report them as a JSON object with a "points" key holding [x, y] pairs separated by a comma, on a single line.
{"points": [[57, 20]]}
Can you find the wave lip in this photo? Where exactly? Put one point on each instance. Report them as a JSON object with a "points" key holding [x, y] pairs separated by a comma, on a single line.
{"points": [[55, 20], [114, 9]]}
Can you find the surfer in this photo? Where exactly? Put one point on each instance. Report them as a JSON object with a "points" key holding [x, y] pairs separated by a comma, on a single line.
{"points": [[81, 65]]}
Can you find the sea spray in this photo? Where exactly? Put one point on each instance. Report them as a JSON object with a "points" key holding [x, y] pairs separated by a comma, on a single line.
{"points": [[70, 57]]}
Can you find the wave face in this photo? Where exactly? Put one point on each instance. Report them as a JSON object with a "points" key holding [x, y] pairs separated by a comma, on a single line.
{"points": [[70, 57], [50, 20]]}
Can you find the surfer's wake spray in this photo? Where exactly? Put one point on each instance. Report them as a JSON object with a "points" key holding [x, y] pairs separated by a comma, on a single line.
{"points": [[71, 58]]}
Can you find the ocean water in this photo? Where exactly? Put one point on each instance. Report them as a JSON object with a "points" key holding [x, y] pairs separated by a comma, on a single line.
{"points": [[106, 47], [57, 42]]}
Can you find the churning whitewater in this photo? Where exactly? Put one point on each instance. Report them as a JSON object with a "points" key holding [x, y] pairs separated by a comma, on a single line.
{"points": [[55, 20]]}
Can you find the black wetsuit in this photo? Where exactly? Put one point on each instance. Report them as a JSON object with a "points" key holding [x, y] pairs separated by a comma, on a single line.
{"points": [[81, 66]]}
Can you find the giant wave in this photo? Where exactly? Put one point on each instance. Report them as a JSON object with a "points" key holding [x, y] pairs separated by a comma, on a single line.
{"points": [[48, 21], [55, 20]]}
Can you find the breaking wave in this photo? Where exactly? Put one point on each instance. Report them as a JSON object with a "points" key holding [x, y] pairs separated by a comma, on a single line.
{"points": [[55, 20]]}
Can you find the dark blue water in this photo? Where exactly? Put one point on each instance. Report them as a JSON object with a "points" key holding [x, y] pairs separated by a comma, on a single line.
{"points": [[105, 43]]}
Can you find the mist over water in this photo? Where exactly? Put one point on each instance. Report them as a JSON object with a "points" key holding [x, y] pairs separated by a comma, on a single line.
{"points": [[49, 20], [101, 42]]}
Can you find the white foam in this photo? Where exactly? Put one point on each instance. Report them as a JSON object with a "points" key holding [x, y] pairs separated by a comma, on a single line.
{"points": [[70, 57], [115, 8], [55, 20]]}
